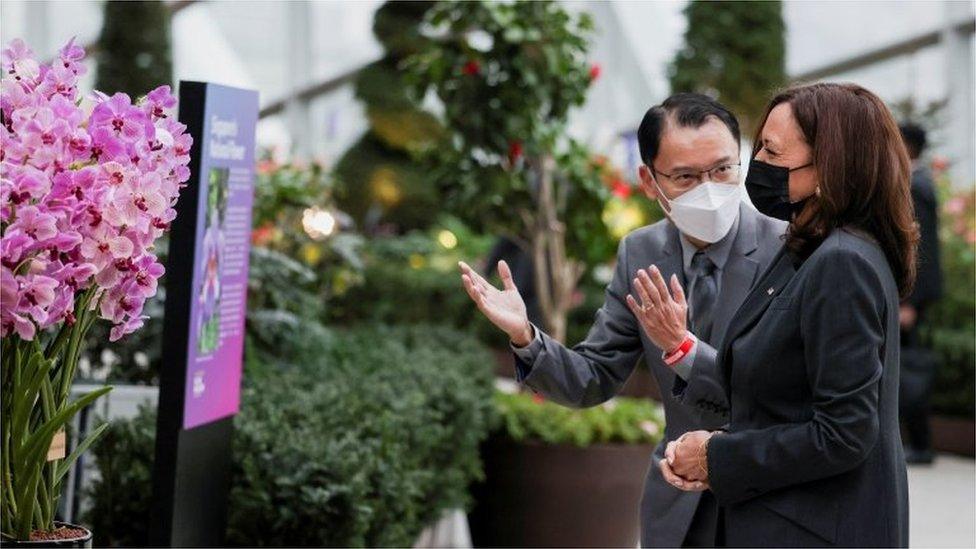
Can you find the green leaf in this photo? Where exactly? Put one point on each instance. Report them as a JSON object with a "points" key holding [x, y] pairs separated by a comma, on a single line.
{"points": [[37, 370], [65, 465], [38, 443]]}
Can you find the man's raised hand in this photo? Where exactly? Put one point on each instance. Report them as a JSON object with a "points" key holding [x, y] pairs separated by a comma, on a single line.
{"points": [[504, 308], [661, 313]]}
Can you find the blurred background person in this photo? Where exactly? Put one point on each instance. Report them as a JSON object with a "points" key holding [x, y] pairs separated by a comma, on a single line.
{"points": [[918, 363]]}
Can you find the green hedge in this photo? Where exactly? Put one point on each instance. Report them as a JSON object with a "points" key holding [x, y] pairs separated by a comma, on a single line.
{"points": [[122, 495], [525, 416], [395, 292], [363, 447], [950, 326]]}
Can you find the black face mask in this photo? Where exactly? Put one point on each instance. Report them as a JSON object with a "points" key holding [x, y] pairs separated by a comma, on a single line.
{"points": [[769, 189]]}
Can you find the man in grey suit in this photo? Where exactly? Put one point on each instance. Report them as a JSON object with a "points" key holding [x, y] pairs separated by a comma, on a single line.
{"points": [[712, 247]]}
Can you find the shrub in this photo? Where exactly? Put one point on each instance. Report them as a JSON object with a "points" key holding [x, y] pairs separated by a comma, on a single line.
{"points": [[950, 326], [121, 498], [621, 420], [366, 445], [412, 278]]}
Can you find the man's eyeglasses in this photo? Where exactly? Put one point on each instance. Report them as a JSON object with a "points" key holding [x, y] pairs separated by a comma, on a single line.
{"points": [[725, 173]]}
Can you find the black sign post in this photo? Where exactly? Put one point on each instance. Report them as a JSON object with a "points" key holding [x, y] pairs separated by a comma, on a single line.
{"points": [[206, 290]]}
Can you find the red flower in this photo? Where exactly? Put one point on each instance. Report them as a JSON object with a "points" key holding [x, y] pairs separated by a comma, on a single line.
{"points": [[266, 166], [594, 71], [537, 398], [621, 189], [471, 68], [514, 151], [262, 235]]}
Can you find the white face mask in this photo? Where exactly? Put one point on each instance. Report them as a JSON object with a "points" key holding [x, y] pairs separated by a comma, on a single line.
{"points": [[706, 212]]}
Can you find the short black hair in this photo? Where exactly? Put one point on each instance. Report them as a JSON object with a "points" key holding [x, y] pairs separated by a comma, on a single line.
{"points": [[688, 110], [914, 137]]}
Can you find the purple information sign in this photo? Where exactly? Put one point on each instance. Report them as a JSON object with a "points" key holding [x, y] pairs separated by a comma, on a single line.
{"points": [[219, 290]]}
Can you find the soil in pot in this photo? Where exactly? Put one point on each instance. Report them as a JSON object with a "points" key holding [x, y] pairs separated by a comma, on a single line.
{"points": [[63, 535]]}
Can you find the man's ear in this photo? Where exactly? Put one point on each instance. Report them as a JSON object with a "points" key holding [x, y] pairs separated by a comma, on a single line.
{"points": [[646, 181]]}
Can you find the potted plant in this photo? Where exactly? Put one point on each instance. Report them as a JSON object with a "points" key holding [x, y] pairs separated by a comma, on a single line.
{"points": [[559, 477], [87, 185]]}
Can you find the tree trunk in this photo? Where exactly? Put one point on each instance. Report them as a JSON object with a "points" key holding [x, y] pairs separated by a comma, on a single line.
{"points": [[556, 275]]}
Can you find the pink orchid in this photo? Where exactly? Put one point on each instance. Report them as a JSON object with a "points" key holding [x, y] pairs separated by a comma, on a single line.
{"points": [[46, 129], [127, 327], [147, 273], [8, 285], [74, 275], [16, 51], [119, 115], [71, 56], [13, 247], [159, 101], [103, 246], [87, 186], [58, 81], [106, 146], [29, 183], [35, 224], [38, 292]]}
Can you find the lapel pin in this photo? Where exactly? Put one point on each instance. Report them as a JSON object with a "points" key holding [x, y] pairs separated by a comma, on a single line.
{"points": [[770, 291]]}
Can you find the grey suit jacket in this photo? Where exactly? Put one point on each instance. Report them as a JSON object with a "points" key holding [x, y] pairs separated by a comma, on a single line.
{"points": [[594, 370]]}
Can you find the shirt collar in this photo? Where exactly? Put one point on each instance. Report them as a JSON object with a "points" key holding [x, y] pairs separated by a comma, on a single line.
{"points": [[718, 252]]}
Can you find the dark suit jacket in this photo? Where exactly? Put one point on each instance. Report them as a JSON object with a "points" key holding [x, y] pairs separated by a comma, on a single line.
{"points": [[813, 453], [928, 283], [595, 370]]}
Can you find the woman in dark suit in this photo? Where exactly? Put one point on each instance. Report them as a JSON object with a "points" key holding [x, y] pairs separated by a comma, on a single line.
{"points": [[812, 454]]}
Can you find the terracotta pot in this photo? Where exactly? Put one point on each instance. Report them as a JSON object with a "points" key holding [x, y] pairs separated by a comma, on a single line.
{"points": [[953, 434], [80, 541], [540, 495], [504, 362]]}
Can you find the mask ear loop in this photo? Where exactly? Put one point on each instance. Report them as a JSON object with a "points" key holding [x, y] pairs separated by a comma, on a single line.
{"points": [[660, 192], [816, 191]]}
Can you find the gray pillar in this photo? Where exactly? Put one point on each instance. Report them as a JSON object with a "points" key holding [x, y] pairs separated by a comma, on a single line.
{"points": [[960, 116], [299, 66], [37, 30]]}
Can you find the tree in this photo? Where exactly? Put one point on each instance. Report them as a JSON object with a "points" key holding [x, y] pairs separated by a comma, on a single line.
{"points": [[134, 47], [734, 52], [380, 177], [508, 75]]}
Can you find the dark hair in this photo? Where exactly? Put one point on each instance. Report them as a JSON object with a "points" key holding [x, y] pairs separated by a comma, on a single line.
{"points": [[863, 170], [914, 137], [687, 110]]}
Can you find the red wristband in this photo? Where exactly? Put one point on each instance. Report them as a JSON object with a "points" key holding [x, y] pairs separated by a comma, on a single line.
{"points": [[676, 355]]}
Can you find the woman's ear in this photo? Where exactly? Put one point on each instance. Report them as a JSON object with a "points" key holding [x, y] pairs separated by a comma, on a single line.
{"points": [[646, 181]]}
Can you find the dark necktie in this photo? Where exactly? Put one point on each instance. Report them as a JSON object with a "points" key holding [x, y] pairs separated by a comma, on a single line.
{"points": [[704, 290]]}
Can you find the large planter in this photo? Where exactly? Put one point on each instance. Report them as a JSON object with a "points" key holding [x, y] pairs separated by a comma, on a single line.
{"points": [[82, 539], [540, 495], [954, 434]]}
